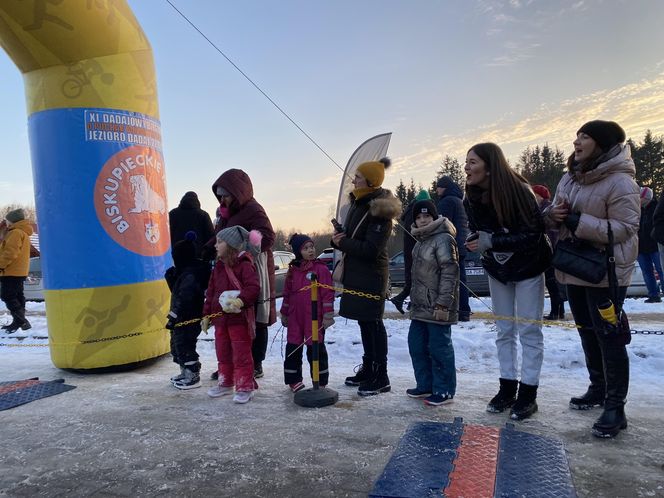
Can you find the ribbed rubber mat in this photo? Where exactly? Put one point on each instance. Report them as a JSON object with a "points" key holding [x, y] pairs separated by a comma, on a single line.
{"points": [[474, 473], [421, 464], [531, 465], [20, 392]]}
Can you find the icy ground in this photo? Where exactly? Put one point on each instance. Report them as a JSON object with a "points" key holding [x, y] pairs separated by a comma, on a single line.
{"points": [[132, 434]]}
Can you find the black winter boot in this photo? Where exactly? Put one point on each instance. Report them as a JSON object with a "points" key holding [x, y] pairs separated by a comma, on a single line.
{"points": [[596, 392], [610, 422], [505, 398], [192, 377], [378, 383], [590, 399], [362, 373], [613, 420], [525, 404]]}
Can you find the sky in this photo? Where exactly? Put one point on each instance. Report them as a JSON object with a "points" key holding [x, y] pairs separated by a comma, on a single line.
{"points": [[441, 76]]}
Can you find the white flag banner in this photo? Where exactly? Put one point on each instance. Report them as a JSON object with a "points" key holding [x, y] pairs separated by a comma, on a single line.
{"points": [[371, 150]]}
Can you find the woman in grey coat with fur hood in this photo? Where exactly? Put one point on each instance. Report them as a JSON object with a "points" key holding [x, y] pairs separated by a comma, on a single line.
{"points": [[434, 299]]}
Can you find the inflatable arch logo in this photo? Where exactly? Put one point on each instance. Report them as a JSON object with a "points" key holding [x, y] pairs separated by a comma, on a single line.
{"points": [[130, 201]]}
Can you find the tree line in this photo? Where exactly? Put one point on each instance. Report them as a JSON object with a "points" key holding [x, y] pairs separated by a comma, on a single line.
{"points": [[543, 165]]}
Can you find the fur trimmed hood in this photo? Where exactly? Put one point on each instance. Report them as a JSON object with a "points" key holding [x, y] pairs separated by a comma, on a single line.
{"points": [[385, 205]]}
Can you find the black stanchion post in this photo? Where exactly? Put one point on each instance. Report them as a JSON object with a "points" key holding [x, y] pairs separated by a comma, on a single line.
{"points": [[315, 397]]}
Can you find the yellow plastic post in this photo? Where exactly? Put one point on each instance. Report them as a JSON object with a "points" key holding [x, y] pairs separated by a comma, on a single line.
{"points": [[315, 397]]}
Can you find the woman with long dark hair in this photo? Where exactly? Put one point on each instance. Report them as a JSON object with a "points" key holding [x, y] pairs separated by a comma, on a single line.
{"points": [[599, 189], [507, 228]]}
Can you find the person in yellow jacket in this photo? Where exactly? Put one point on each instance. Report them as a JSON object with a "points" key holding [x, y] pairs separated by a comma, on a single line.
{"points": [[14, 265]]}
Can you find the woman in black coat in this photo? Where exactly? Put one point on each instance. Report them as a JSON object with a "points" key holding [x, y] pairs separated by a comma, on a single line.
{"points": [[363, 241]]}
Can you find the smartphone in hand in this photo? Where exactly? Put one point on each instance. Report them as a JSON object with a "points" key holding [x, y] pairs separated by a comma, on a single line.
{"points": [[337, 226]]}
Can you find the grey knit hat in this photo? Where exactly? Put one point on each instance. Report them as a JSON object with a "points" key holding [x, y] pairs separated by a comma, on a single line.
{"points": [[236, 237], [15, 215]]}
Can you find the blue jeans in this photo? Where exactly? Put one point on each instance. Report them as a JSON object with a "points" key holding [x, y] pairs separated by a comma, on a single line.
{"points": [[431, 350], [646, 262]]}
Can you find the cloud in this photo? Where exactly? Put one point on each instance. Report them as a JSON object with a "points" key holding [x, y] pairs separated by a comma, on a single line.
{"points": [[637, 107]]}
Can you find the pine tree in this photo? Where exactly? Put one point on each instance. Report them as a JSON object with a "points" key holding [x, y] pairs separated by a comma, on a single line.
{"points": [[412, 192], [401, 193], [542, 166], [649, 161], [450, 166]]}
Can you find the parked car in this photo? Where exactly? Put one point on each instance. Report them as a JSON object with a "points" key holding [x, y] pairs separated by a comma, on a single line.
{"points": [[397, 270], [476, 277], [33, 287], [327, 257], [281, 261], [477, 280]]}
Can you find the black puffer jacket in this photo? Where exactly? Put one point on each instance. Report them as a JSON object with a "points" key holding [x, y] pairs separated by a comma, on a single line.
{"points": [[519, 252], [189, 216], [450, 205], [188, 287], [647, 244], [657, 232], [365, 260]]}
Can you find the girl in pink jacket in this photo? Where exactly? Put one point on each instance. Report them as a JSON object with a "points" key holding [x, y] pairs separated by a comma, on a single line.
{"points": [[296, 311], [233, 290]]}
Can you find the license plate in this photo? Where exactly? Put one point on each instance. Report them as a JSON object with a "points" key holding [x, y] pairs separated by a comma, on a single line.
{"points": [[474, 271]]}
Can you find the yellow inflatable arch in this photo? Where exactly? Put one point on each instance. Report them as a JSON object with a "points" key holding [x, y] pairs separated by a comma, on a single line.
{"points": [[99, 177]]}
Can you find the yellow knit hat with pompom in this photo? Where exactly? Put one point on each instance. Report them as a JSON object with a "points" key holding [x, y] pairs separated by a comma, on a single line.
{"points": [[374, 171]]}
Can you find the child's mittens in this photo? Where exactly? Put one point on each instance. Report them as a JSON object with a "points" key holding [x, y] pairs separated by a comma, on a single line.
{"points": [[328, 320], [284, 320], [229, 301], [205, 324], [236, 305], [441, 314], [170, 324]]}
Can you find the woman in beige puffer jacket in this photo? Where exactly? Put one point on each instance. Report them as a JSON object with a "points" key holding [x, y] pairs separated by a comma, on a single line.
{"points": [[598, 189]]}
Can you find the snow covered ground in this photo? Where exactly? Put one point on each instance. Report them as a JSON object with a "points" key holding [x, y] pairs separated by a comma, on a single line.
{"points": [[132, 434]]}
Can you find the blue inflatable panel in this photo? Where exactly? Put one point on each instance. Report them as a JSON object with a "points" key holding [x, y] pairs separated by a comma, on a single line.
{"points": [[531, 465], [421, 464]]}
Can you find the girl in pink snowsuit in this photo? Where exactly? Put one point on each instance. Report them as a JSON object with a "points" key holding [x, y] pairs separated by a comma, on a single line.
{"points": [[233, 290], [296, 311]]}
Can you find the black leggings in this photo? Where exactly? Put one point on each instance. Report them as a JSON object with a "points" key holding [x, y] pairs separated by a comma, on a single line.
{"points": [[259, 346], [374, 340], [606, 357]]}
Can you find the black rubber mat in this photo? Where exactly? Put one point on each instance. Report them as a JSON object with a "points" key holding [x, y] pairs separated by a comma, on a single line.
{"points": [[20, 392]]}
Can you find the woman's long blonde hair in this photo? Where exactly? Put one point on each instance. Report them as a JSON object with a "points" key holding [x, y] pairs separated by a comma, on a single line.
{"points": [[509, 192]]}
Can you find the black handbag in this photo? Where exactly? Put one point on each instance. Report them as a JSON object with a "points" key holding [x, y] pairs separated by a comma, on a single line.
{"points": [[580, 259]]}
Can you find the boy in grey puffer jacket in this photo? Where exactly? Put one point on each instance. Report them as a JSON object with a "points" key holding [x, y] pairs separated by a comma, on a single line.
{"points": [[434, 305]]}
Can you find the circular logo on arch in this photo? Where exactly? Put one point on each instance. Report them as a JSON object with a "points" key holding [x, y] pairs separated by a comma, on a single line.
{"points": [[130, 200]]}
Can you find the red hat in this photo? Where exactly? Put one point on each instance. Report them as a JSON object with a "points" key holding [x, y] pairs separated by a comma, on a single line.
{"points": [[542, 191]]}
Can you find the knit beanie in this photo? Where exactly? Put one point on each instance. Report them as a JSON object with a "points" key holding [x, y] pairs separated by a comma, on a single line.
{"points": [[425, 207], [646, 195], [422, 195], [297, 241], [184, 251], [542, 191], [374, 171], [605, 133], [236, 237], [15, 215], [445, 182]]}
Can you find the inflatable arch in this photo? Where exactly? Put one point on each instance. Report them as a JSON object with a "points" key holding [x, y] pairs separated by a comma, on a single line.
{"points": [[99, 177]]}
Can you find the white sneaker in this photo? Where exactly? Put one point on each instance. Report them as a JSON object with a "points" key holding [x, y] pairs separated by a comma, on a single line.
{"points": [[218, 391], [243, 397]]}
